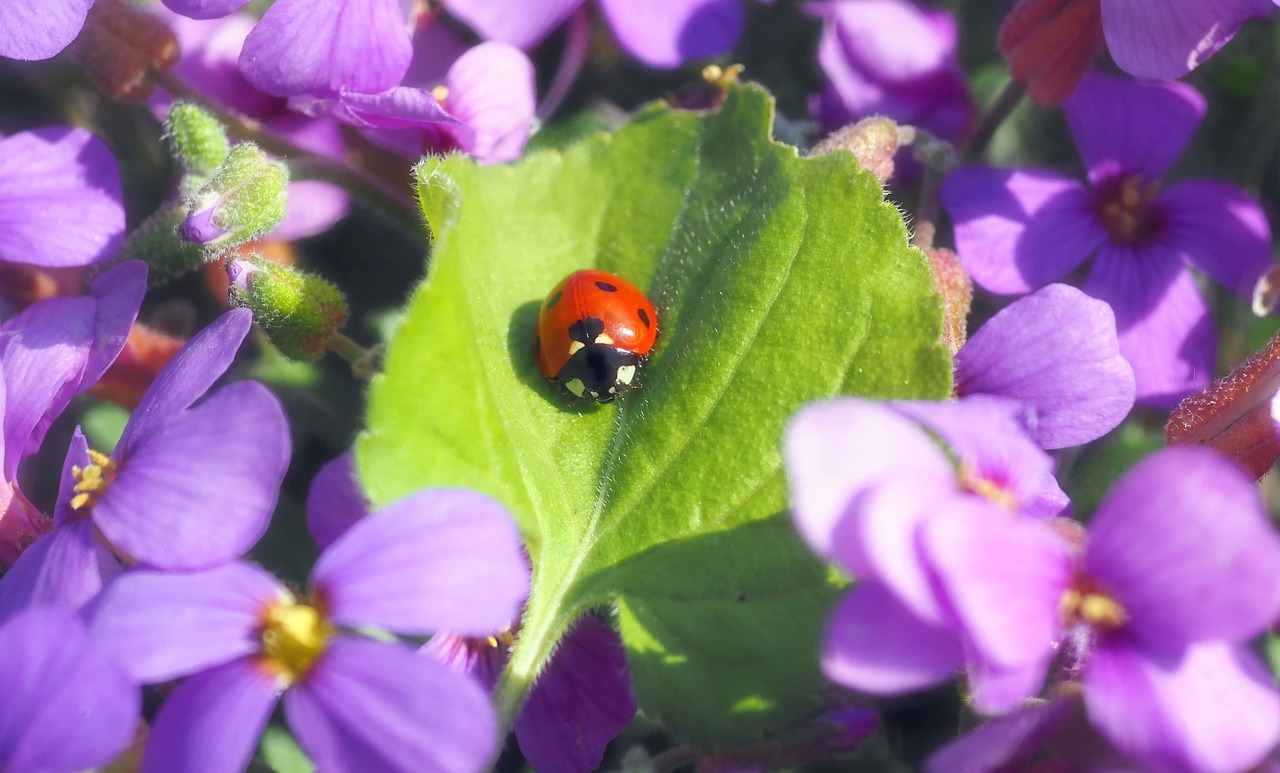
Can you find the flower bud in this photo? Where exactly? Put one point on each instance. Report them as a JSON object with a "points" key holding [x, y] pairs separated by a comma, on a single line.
{"points": [[299, 312], [155, 244], [196, 138], [121, 45], [243, 199], [952, 282], [873, 141], [1050, 44]]}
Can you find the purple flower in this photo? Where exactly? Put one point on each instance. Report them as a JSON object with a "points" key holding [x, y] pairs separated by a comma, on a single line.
{"points": [[868, 485], [1019, 229], [892, 58], [436, 559], [186, 487], [66, 706], [60, 197], [1160, 39], [39, 29], [1055, 351], [49, 353], [582, 699], [209, 63], [204, 9], [660, 33], [1180, 569]]}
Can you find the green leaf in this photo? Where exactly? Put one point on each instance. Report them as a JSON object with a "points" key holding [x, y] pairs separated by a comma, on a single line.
{"points": [[778, 280]]}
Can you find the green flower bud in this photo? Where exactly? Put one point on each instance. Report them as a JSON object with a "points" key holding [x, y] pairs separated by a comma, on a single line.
{"points": [[155, 243], [243, 199], [196, 138], [299, 312]]}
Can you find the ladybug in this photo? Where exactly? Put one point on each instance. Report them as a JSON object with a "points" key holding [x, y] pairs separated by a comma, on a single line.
{"points": [[594, 330]]}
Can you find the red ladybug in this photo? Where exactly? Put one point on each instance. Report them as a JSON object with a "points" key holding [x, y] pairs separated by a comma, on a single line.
{"points": [[594, 330]]}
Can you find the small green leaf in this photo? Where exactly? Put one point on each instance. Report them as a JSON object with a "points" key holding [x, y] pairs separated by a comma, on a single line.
{"points": [[778, 280]]}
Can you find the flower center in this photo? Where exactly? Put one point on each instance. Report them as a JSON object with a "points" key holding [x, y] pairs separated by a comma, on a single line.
{"points": [[1090, 603], [441, 93], [293, 636], [974, 482], [92, 481], [1125, 205]]}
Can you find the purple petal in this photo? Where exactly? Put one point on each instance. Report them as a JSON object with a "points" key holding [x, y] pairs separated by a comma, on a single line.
{"points": [[1008, 743], [1057, 351], [204, 9], [1124, 127], [118, 291], [581, 701], [492, 90], [475, 657], [60, 197], [1184, 544], [162, 625], [39, 29], [897, 40], [65, 567], [999, 689], [523, 25], [188, 375], [335, 502], [1211, 707], [369, 705], [435, 48], [1008, 607], [212, 722], [313, 207], [875, 645], [436, 560], [66, 706], [199, 490], [1019, 229], [1157, 40], [838, 449], [403, 119], [1165, 329], [303, 47], [1220, 230], [77, 456], [43, 353], [668, 33]]}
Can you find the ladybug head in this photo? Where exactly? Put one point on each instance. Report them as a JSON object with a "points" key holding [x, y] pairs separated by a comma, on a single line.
{"points": [[599, 371]]}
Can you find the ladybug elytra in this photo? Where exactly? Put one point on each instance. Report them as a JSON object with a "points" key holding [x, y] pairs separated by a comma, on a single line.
{"points": [[594, 331]]}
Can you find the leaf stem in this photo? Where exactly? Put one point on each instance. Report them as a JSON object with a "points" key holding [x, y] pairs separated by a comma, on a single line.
{"points": [[396, 207], [999, 111], [362, 360], [544, 623]]}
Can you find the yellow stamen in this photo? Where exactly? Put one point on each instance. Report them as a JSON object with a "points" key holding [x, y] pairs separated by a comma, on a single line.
{"points": [[294, 635], [1125, 207], [92, 481], [722, 76], [973, 482], [1091, 604], [441, 93]]}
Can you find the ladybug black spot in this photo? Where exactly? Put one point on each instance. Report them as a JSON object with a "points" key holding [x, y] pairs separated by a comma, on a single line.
{"points": [[586, 329], [644, 317], [608, 288]]}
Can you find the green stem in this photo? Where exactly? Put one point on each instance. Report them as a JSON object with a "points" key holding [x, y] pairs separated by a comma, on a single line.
{"points": [[1008, 99], [362, 360], [545, 621], [397, 207]]}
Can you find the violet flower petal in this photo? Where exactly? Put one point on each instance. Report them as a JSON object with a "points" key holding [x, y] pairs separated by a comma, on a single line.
{"points": [[204, 9], [1166, 332], [312, 207], [668, 33], [1218, 229], [876, 645], [1125, 127], [303, 47], [492, 90], [1212, 706], [1160, 40], [436, 560], [60, 198], [1183, 542], [66, 706], [212, 722], [1008, 743], [998, 689], [118, 291], [65, 567], [187, 376], [475, 658], [581, 702], [837, 449], [524, 25], [335, 502], [1019, 229], [406, 119], [199, 490], [39, 29], [77, 456], [162, 625], [1057, 351], [368, 705], [1008, 607]]}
